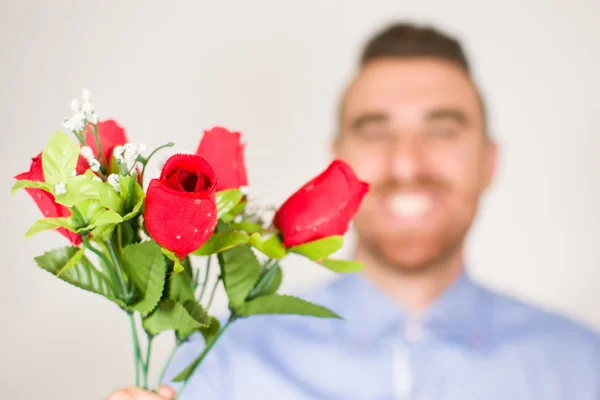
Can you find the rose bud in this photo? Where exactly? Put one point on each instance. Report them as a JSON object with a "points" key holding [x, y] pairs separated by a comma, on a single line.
{"points": [[223, 150], [180, 209], [322, 207], [45, 200]]}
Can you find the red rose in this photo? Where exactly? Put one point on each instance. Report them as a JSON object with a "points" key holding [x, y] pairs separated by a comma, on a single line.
{"points": [[45, 200], [180, 211], [110, 134], [223, 150], [323, 207]]}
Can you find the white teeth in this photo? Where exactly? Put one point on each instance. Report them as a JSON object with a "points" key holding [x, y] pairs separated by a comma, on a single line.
{"points": [[410, 205]]}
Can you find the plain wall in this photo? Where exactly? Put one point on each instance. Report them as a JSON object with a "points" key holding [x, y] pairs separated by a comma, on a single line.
{"points": [[274, 70]]}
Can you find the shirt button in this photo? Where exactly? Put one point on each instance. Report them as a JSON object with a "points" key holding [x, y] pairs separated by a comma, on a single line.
{"points": [[413, 332]]}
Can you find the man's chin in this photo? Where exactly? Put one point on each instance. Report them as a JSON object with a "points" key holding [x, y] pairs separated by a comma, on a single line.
{"points": [[410, 258]]}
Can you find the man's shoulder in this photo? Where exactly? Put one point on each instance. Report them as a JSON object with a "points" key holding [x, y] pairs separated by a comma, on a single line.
{"points": [[510, 319]]}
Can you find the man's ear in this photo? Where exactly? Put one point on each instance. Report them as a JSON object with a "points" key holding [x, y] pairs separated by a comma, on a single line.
{"points": [[490, 162]]}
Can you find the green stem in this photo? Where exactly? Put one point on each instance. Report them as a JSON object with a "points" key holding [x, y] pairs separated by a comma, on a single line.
{"points": [[131, 194], [145, 162], [118, 267], [104, 164], [212, 294], [168, 363], [107, 265], [146, 365], [137, 358], [204, 284], [204, 353]]}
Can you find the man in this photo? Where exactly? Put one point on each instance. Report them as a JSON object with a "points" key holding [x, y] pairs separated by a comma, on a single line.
{"points": [[412, 123]]}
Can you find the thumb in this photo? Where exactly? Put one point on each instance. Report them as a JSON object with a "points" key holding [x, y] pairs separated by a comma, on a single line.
{"points": [[166, 392]]}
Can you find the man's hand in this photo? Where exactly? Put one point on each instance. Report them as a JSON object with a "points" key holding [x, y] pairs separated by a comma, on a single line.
{"points": [[134, 393]]}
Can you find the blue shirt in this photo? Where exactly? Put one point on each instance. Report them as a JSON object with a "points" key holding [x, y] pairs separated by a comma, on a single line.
{"points": [[472, 344]]}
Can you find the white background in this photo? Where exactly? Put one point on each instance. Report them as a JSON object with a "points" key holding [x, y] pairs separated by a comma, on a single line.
{"points": [[274, 70]]}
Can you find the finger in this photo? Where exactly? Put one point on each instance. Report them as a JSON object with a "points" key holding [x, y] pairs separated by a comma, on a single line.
{"points": [[166, 392], [134, 393]]}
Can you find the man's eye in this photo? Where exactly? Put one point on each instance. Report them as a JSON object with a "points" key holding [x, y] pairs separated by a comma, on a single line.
{"points": [[442, 132], [373, 134]]}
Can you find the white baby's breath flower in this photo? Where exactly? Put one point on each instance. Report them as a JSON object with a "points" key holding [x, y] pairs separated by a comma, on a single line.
{"points": [[113, 180], [87, 107], [93, 118], [118, 153], [95, 165], [75, 106], [68, 124], [141, 148], [78, 120], [60, 188], [245, 190], [97, 179], [87, 153], [86, 94], [74, 173]]}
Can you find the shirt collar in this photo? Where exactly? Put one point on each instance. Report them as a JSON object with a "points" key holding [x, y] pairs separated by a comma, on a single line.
{"points": [[456, 315]]}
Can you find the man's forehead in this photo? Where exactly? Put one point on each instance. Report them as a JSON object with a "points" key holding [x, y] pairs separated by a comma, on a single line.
{"points": [[418, 82]]}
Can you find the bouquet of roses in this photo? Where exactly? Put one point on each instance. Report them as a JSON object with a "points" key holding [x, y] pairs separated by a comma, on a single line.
{"points": [[150, 251]]}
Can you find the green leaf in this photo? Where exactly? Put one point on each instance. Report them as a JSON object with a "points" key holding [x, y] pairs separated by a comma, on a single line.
{"points": [[221, 241], [180, 288], [342, 266], [247, 226], [103, 233], [46, 224], [269, 282], [198, 313], [211, 331], [72, 261], [108, 217], [284, 304], [25, 184], [59, 158], [227, 200], [83, 275], [83, 187], [272, 247], [170, 315], [138, 196], [177, 265], [319, 249], [230, 216], [90, 209], [239, 270], [145, 265]]}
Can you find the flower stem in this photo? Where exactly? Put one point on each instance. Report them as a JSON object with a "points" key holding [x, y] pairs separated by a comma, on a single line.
{"points": [[145, 161], [136, 349], [205, 352], [104, 166], [212, 294], [119, 268], [146, 365], [168, 363], [204, 284]]}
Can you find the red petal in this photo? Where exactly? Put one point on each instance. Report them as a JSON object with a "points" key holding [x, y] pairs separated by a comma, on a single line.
{"points": [[179, 221], [225, 154], [322, 207]]}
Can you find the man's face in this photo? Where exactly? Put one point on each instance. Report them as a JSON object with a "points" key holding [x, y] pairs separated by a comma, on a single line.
{"points": [[414, 129]]}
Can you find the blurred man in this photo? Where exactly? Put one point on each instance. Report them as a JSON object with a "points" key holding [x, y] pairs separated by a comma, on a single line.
{"points": [[413, 124]]}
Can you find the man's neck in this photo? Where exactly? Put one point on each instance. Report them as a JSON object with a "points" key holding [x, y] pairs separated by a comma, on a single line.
{"points": [[415, 290]]}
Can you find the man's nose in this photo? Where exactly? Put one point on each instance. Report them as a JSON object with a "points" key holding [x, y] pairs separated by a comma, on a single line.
{"points": [[405, 158]]}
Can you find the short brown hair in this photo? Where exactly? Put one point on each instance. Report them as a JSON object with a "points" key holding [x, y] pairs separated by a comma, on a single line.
{"points": [[408, 40]]}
